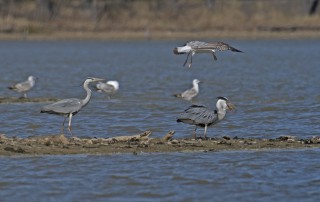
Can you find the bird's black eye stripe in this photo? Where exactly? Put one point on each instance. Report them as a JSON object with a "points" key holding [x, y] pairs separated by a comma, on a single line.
{"points": [[223, 98]]}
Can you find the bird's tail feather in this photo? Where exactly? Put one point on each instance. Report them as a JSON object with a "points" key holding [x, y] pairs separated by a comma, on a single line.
{"points": [[235, 50], [177, 95]]}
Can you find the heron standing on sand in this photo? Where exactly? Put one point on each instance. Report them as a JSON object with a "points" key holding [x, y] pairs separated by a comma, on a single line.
{"points": [[199, 115], [25, 86], [190, 93], [194, 47], [70, 107]]}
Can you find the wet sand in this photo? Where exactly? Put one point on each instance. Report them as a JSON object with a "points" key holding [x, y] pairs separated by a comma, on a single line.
{"points": [[142, 143]]}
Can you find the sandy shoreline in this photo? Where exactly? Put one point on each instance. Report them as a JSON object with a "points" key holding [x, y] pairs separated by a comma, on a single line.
{"points": [[161, 35], [142, 143]]}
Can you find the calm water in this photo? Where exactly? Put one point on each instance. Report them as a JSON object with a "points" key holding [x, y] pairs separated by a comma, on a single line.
{"points": [[274, 84]]}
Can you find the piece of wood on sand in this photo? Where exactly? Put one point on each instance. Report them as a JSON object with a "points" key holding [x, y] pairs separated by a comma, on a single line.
{"points": [[143, 136], [168, 136]]}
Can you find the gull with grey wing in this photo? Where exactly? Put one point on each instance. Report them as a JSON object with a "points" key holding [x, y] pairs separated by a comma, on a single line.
{"points": [[194, 47], [25, 86], [190, 93]]}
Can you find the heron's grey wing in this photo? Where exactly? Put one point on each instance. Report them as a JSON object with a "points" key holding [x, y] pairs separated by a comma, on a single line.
{"points": [[198, 115], [65, 106], [189, 94], [190, 114], [207, 117]]}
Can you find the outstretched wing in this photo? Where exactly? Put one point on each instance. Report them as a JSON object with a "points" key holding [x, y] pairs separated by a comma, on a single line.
{"points": [[221, 46], [198, 115], [65, 106], [197, 44]]}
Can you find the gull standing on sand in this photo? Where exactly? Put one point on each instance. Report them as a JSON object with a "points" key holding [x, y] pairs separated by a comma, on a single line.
{"points": [[190, 93], [25, 86], [70, 107], [199, 115], [109, 87], [194, 47]]}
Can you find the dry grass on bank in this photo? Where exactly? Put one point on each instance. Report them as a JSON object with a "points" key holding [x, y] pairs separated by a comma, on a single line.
{"points": [[160, 20]]}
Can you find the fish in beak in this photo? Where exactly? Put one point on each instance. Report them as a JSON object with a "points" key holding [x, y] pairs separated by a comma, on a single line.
{"points": [[231, 106]]}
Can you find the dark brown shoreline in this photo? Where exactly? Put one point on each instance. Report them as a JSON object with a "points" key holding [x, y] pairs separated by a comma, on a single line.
{"points": [[142, 143]]}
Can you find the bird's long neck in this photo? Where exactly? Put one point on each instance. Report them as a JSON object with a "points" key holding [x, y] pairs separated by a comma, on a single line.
{"points": [[221, 114], [184, 49], [221, 109], [86, 100], [31, 81], [196, 87]]}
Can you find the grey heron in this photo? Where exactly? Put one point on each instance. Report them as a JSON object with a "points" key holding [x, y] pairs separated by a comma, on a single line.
{"points": [[199, 115], [70, 107], [25, 86], [109, 87], [194, 47], [190, 93]]}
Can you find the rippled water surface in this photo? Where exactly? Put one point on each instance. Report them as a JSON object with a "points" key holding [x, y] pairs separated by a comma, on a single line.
{"points": [[274, 84], [221, 176]]}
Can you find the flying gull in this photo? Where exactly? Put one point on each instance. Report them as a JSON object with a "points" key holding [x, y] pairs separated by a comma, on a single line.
{"points": [[194, 47]]}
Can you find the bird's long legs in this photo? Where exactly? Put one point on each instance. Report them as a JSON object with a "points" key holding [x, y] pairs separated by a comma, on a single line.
{"points": [[190, 63], [214, 56], [191, 60], [205, 132], [186, 59], [195, 133], [69, 126], [62, 127]]}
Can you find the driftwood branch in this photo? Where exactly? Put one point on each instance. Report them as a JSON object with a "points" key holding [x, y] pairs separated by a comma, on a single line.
{"points": [[143, 136], [168, 136]]}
